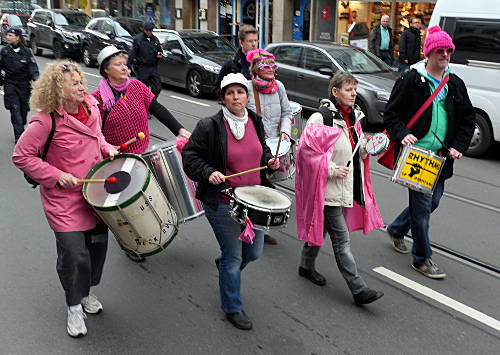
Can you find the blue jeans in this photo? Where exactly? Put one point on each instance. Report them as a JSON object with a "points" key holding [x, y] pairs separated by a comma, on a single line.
{"points": [[416, 217], [235, 255], [386, 56]]}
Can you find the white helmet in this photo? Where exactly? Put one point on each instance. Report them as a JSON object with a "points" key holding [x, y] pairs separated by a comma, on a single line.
{"points": [[105, 53], [234, 78]]}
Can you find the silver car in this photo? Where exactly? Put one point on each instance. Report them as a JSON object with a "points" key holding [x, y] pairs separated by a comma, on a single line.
{"points": [[305, 68]]}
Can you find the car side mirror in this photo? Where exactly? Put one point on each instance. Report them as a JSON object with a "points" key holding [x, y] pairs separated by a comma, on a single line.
{"points": [[177, 51], [326, 71], [110, 34]]}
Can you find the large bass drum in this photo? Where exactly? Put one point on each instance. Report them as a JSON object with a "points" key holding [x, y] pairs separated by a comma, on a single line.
{"points": [[166, 163], [134, 208]]}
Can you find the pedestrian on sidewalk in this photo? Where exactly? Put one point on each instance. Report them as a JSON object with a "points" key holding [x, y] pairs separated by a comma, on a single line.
{"points": [[333, 186], [231, 141], [19, 70], [125, 106], [273, 105], [144, 56], [445, 128], [382, 42], [409, 46], [77, 144]]}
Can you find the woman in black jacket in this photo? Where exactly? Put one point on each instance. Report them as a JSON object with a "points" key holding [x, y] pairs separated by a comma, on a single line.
{"points": [[229, 142]]}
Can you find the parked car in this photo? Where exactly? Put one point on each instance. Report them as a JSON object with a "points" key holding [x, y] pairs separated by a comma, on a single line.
{"points": [[9, 20], [192, 59], [475, 30], [305, 68], [105, 31], [58, 30]]}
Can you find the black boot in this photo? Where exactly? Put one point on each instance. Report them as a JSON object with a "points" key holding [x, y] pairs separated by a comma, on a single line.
{"points": [[313, 276], [240, 320], [367, 296]]}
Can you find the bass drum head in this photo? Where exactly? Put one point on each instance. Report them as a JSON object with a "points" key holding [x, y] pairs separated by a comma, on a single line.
{"points": [[262, 197], [132, 175], [272, 143]]}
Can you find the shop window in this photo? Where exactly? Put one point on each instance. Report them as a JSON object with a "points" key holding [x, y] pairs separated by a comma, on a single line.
{"points": [[315, 60], [288, 55], [476, 40]]}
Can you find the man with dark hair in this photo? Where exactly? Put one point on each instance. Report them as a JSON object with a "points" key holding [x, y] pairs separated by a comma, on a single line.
{"points": [[409, 45], [249, 40], [381, 43], [144, 56]]}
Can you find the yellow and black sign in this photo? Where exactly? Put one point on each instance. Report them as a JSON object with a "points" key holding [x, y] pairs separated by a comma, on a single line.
{"points": [[420, 168]]}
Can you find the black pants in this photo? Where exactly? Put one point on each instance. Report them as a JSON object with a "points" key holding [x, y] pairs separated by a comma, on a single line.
{"points": [[80, 261], [148, 74], [16, 100]]}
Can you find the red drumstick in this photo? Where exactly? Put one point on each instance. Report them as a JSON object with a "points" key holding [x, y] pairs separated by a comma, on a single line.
{"points": [[111, 180], [124, 146]]}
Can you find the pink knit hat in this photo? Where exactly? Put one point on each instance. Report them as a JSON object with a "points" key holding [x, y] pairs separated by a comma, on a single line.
{"points": [[436, 38]]}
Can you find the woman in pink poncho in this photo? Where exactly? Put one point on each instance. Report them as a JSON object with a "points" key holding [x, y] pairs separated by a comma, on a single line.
{"points": [[333, 186]]}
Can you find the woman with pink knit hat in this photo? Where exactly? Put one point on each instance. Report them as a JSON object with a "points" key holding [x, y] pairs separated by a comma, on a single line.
{"points": [[445, 128]]}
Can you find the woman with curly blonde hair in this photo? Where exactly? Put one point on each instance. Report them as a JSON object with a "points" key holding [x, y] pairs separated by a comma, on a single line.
{"points": [[76, 146]]}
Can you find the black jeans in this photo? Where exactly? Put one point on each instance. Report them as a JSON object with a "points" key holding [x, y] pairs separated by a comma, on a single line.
{"points": [[16, 100], [80, 261], [149, 76]]}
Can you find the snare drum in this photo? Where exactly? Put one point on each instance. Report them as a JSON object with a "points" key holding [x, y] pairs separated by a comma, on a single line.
{"points": [[286, 156], [298, 122], [266, 207], [418, 169], [166, 163], [134, 208]]}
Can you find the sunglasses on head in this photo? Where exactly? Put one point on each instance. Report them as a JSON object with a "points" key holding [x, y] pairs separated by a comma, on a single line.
{"points": [[442, 51], [263, 66], [67, 67]]}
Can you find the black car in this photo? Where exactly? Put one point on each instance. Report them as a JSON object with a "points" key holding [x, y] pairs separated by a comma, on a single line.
{"points": [[106, 31], [192, 59], [18, 20], [58, 30], [305, 68]]}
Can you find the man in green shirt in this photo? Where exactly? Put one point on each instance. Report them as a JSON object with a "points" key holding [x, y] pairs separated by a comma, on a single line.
{"points": [[381, 43]]}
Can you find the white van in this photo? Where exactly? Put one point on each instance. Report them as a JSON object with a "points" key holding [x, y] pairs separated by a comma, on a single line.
{"points": [[474, 27]]}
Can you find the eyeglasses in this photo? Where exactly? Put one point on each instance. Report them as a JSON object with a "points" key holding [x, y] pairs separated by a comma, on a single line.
{"points": [[68, 67], [442, 51], [263, 66]]}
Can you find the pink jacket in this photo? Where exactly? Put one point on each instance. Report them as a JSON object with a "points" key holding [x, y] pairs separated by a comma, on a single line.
{"points": [[75, 149]]}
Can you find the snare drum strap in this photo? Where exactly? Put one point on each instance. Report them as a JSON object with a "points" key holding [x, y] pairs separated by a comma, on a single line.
{"points": [[257, 100]]}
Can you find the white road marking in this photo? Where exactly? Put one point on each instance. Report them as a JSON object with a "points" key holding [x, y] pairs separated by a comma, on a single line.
{"points": [[447, 301], [187, 100]]}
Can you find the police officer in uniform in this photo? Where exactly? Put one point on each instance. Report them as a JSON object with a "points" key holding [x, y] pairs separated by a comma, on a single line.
{"points": [[144, 56], [18, 68]]}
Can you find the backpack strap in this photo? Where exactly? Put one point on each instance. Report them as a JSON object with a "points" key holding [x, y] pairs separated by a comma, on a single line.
{"points": [[49, 138], [327, 115]]}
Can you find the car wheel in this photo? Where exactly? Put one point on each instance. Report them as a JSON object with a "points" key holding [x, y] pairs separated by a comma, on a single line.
{"points": [[34, 47], [194, 83], [58, 50], [481, 139], [87, 58]]}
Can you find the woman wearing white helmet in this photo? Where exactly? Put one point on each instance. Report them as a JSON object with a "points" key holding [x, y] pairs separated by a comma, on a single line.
{"points": [[125, 106], [230, 141]]}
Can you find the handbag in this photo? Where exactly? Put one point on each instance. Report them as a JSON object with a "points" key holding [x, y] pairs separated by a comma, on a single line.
{"points": [[388, 157]]}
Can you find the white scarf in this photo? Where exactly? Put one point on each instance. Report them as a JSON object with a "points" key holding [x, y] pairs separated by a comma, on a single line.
{"points": [[236, 124]]}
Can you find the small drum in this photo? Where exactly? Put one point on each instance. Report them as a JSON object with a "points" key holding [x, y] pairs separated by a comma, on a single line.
{"points": [[298, 123], [286, 157], [377, 144], [166, 163], [266, 207], [135, 208], [418, 169]]}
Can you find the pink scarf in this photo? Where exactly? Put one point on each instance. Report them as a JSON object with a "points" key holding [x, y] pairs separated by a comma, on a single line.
{"points": [[265, 86], [107, 95]]}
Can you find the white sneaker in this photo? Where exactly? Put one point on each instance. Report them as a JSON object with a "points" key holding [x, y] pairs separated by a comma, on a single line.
{"points": [[76, 323], [91, 304]]}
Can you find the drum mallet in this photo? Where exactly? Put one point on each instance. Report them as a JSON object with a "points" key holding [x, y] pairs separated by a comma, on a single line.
{"points": [[111, 180], [277, 148], [124, 146], [245, 172], [355, 149]]}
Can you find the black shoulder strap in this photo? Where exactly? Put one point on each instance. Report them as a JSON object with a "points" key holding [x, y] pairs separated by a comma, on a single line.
{"points": [[49, 138], [327, 115]]}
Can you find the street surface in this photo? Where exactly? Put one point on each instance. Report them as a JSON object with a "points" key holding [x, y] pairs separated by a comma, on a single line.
{"points": [[170, 304]]}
